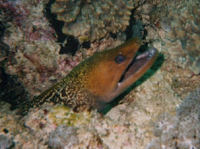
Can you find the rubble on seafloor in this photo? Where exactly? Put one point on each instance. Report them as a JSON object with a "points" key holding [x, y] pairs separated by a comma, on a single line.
{"points": [[159, 113]]}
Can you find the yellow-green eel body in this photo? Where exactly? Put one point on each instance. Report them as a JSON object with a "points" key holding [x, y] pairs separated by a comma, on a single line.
{"points": [[99, 79]]}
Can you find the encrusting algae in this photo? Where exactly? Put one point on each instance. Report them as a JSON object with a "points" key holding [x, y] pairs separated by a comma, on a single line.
{"points": [[99, 79], [62, 115]]}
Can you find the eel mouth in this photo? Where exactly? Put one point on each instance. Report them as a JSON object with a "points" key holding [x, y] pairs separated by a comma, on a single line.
{"points": [[138, 66]]}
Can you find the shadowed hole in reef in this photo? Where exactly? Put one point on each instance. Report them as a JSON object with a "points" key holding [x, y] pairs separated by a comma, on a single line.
{"points": [[2, 30], [69, 44], [136, 28], [86, 45], [12, 91]]}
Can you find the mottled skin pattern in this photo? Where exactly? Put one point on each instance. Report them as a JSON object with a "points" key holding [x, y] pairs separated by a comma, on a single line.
{"points": [[69, 91], [95, 81]]}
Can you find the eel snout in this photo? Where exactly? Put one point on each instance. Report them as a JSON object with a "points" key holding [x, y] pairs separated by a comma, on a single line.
{"points": [[139, 65]]}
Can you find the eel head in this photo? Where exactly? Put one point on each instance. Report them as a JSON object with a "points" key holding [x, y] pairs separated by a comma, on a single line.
{"points": [[114, 70]]}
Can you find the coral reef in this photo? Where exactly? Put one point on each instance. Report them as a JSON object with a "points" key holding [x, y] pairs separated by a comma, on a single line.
{"points": [[129, 125], [29, 55], [15, 135], [175, 27], [32, 53], [62, 128], [93, 20], [29, 51], [180, 131]]}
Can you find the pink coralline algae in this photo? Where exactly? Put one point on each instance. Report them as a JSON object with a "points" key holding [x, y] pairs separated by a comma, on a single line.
{"points": [[33, 34], [14, 12], [33, 52]]}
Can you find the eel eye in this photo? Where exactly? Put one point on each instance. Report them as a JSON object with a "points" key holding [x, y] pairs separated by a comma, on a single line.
{"points": [[119, 59]]}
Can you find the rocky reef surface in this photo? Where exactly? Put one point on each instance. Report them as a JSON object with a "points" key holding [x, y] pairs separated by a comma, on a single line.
{"points": [[161, 112], [182, 130], [93, 20], [177, 29]]}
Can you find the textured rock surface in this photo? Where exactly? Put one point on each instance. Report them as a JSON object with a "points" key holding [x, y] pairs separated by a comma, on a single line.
{"points": [[62, 137], [180, 131], [176, 26], [5, 142], [93, 20], [32, 51]]}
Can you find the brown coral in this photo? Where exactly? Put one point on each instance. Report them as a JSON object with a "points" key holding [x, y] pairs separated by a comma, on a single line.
{"points": [[92, 20]]}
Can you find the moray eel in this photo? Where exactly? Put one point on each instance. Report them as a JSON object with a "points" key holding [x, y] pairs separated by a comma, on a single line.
{"points": [[99, 79]]}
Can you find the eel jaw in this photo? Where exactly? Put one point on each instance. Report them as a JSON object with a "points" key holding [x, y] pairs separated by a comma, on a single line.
{"points": [[139, 65]]}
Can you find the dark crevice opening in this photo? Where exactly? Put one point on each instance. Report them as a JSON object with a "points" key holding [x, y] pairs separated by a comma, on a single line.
{"points": [[69, 44], [12, 91], [136, 28]]}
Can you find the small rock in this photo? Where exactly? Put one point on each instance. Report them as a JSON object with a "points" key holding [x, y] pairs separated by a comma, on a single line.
{"points": [[63, 137]]}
